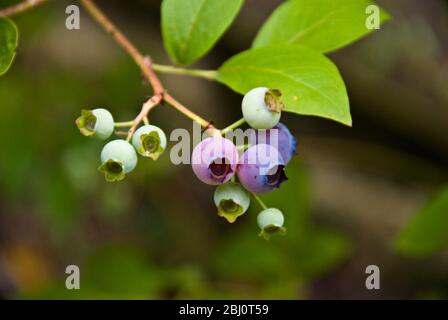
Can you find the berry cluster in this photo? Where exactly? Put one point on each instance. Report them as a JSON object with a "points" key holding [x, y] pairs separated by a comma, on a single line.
{"points": [[260, 169], [216, 159], [119, 157]]}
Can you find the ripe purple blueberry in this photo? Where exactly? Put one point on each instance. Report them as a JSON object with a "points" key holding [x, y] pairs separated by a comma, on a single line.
{"points": [[214, 160], [279, 137], [261, 169]]}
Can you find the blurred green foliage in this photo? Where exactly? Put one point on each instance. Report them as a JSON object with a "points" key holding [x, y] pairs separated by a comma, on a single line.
{"points": [[305, 252], [426, 233], [241, 265]]}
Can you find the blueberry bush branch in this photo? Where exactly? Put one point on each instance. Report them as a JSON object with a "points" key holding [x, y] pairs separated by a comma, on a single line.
{"points": [[282, 72], [142, 61], [145, 64], [310, 83], [151, 103], [30, 4], [21, 7]]}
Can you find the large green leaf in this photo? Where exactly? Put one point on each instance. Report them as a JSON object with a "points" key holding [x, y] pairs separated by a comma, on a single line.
{"points": [[191, 27], [427, 232], [323, 25], [311, 83], [8, 43]]}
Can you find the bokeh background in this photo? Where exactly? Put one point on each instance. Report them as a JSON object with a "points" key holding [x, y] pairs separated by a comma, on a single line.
{"points": [[156, 235]]}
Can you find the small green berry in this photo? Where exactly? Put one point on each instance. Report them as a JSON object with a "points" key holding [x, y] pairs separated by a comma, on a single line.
{"points": [[98, 123], [262, 108], [232, 201], [118, 158], [149, 141], [271, 221]]}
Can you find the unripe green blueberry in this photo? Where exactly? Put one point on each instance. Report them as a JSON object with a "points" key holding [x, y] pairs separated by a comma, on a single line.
{"points": [[149, 141], [97, 122], [118, 158], [271, 221], [232, 201], [262, 108]]}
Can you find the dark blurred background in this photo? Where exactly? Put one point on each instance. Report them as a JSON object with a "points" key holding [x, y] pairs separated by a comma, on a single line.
{"points": [[156, 234]]}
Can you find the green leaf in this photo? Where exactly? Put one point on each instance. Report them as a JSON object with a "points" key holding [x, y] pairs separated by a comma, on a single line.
{"points": [[324, 25], [9, 36], [426, 233], [191, 28], [310, 83]]}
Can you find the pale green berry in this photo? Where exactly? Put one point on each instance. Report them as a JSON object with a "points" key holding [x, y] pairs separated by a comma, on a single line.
{"points": [[118, 158], [271, 221], [149, 141], [262, 108], [232, 201], [97, 122]]}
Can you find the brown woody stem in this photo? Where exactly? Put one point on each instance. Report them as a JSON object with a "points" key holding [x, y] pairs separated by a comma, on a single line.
{"points": [[145, 64], [20, 7]]}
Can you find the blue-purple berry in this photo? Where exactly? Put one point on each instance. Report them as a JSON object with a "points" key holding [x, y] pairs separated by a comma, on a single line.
{"points": [[279, 137], [261, 169], [214, 160]]}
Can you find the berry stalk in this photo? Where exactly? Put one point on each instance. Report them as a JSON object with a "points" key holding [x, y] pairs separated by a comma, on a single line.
{"points": [[256, 197], [185, 111], [150, 104], [205, 74], [233, 126], [126, 124]]}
